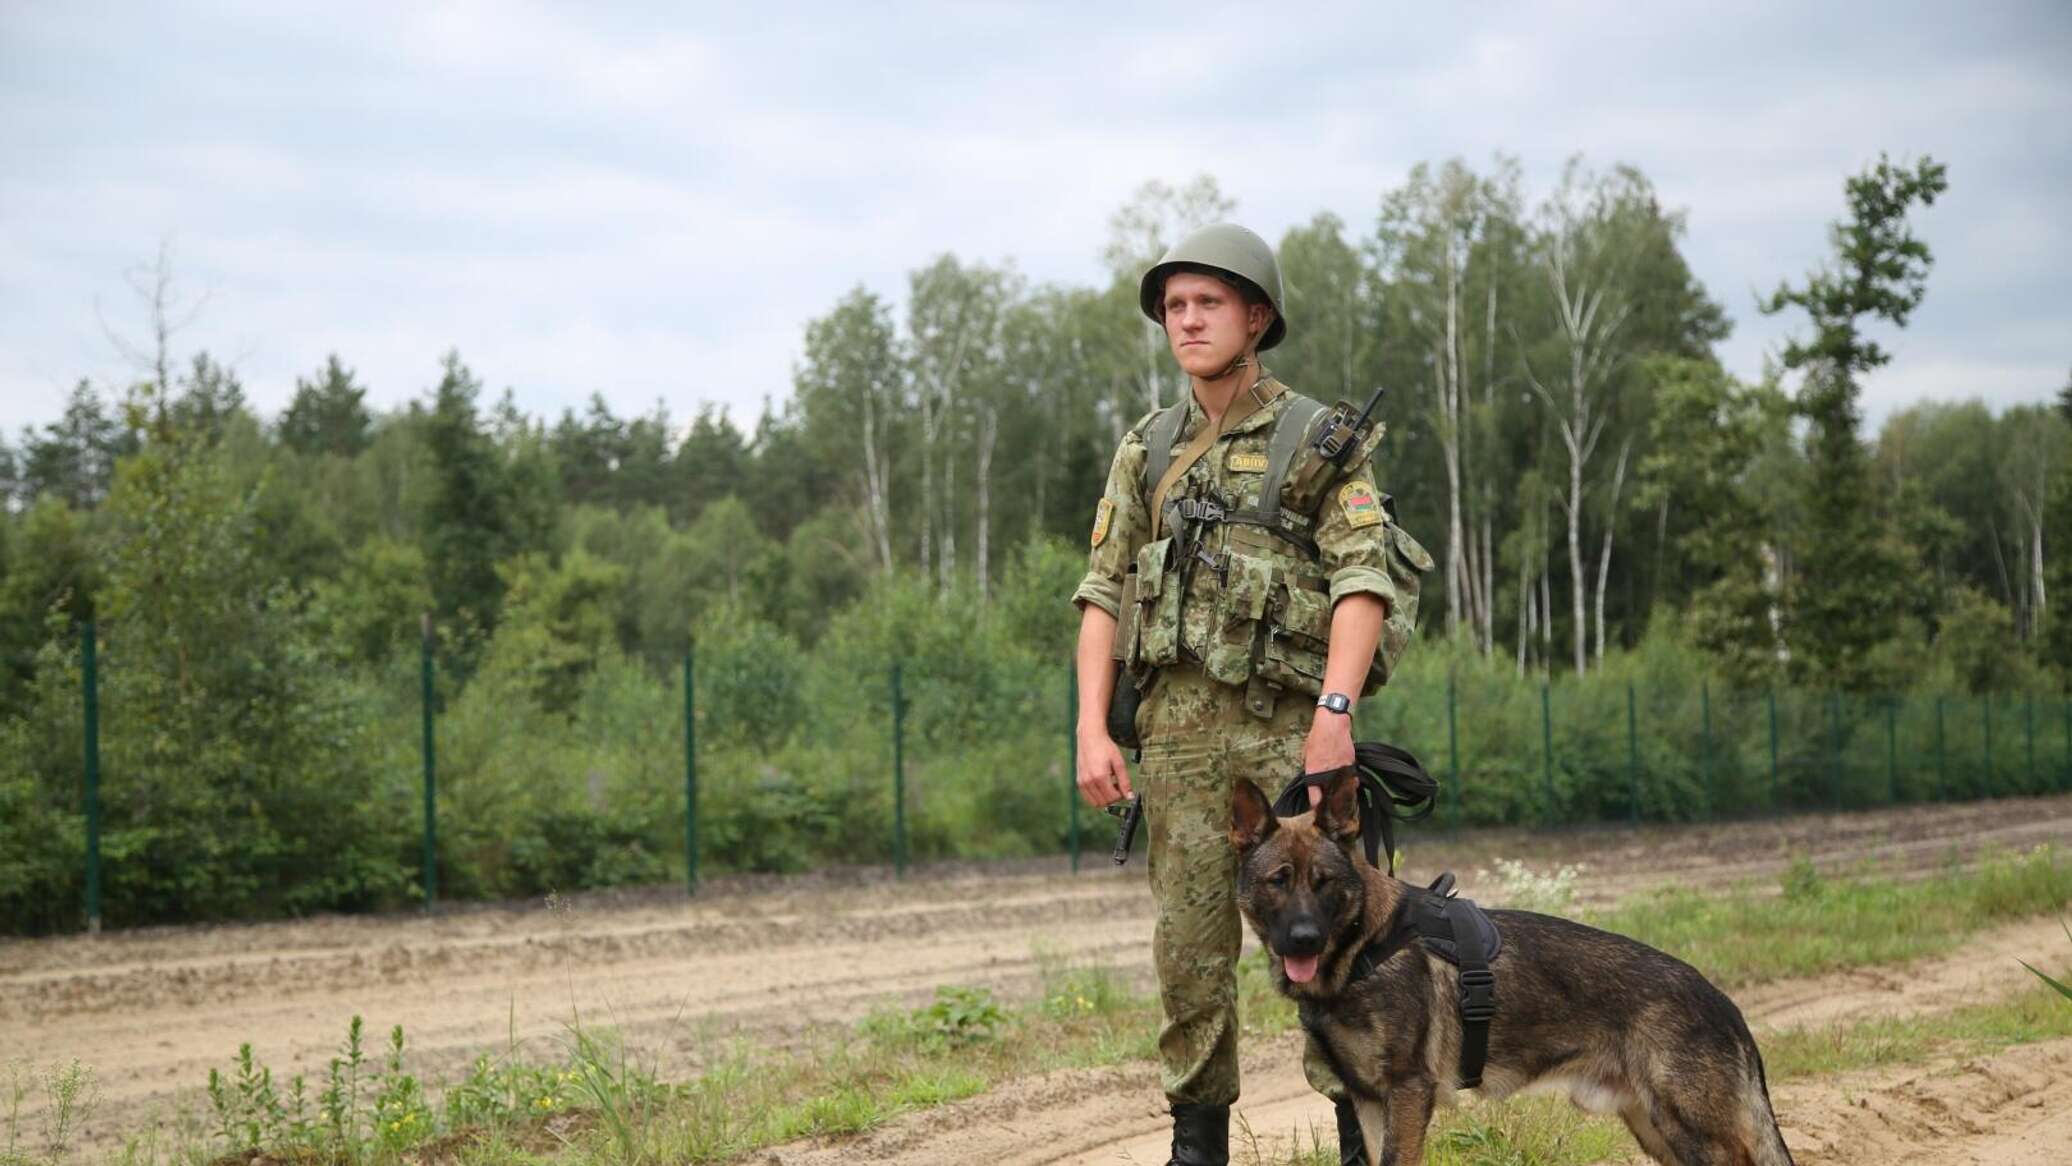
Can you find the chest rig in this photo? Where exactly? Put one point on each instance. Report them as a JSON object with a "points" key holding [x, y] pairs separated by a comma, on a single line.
{"points": [[1234, 583]]}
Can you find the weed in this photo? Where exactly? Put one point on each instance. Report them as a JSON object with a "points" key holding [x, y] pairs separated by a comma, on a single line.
{"points": [[340, 1099], [2060, 986], [1520, 888], [1801, 880], [402, 1117], [622, 1093], [70, 1092], [959, 1017], [248, 1112], [1075, 991]]}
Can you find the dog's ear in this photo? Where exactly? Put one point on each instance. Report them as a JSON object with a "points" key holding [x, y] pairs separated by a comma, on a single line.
{"points": [[1251, 816], [1338, 814]]}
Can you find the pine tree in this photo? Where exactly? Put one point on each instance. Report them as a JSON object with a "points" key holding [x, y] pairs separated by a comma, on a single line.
{"points": [[1846, 598], [328, 414], [73, 459], [467, 525]]}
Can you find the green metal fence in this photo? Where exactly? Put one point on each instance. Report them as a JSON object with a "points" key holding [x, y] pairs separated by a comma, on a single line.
{"points": [[1510, 752]]}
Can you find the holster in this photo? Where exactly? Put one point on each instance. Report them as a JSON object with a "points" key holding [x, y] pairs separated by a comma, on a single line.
{"points": [[1122, 712], [1127, 697]]}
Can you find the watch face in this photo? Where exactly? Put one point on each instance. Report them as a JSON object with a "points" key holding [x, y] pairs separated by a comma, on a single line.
{"points": [[1336, 702]]}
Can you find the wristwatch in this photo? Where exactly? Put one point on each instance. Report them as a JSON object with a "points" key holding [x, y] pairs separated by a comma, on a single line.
{"points": [[1336, 702]]}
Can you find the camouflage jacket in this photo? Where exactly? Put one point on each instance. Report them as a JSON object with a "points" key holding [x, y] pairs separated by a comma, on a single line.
{"points": [[1245, 604]]}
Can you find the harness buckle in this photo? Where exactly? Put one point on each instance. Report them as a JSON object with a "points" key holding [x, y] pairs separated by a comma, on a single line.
{"points": [[1477, 995]]}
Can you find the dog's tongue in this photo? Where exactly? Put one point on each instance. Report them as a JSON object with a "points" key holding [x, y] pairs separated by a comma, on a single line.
{"points": [[1300, 968]]}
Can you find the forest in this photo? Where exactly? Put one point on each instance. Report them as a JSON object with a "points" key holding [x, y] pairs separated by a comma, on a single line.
{"points": [[1604, 501]]}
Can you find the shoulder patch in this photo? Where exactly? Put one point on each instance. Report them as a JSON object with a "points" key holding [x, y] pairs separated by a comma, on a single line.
{"points": [[1104, 516], [1246, 463], [1361, 507]]}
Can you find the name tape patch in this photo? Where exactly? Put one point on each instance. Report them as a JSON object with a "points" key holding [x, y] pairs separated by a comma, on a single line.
{"points": [[1247, 463]]}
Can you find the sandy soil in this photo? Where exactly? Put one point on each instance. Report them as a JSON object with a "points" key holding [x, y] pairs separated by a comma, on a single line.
{"points": [[153, 1010], [2008, 1109]]}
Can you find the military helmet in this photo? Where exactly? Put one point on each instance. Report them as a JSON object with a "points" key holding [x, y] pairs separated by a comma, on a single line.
{"points": [[1225, 249]]}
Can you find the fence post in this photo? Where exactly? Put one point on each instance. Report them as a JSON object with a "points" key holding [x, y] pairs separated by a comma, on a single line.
{"points": [[1986, 710], [1453, 743], [1072, 766], [1942, 760], [1547, 743], [1772, 701], [1705, 742], [690, 772], [2029, 730], [899, 840], [431, 772], [1633, 749], [90, 697], [1891, 750], [1834, 721]]}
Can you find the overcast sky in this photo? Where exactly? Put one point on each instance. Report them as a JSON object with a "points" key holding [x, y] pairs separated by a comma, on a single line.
{"points": [[650, 201]]}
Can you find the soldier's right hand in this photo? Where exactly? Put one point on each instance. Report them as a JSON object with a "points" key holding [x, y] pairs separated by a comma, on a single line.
{"points": [[1104, 776]]}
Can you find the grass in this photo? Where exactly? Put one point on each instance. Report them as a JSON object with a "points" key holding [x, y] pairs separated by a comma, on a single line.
{"points": [[2035, 1015], [1823, 924], [597, 1104], [1530, 1131]]}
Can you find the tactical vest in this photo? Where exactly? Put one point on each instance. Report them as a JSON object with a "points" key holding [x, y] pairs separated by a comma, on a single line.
{"points": [[1268, 628]]}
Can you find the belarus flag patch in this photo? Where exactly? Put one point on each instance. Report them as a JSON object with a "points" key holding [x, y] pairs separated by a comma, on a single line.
{"points": [[1361, 507]]}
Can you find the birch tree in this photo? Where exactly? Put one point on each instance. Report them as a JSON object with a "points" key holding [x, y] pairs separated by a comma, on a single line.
{"points": [[954, 314], [1427, 230], [848, 388], [1579, 257]]}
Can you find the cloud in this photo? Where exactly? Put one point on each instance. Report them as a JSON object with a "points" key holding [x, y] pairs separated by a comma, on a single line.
{"points": [[633, 201]]}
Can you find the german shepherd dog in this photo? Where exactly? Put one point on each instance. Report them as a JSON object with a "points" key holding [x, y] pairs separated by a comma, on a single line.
{"points": [[1618, 1026]]}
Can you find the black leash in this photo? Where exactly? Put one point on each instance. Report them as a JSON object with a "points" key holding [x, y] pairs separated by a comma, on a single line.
{"points": [[1394, 787]]}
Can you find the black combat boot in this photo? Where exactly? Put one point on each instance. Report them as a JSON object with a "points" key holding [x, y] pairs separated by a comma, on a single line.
{"points": [[1352, 1148], [1201, 1135]]}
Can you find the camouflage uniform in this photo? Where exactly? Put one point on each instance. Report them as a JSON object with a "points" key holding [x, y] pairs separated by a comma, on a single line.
{"points": [[1199, 736]]}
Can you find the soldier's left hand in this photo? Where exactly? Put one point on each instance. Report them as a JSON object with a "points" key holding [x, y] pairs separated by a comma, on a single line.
{"points": [[1330, 746]]}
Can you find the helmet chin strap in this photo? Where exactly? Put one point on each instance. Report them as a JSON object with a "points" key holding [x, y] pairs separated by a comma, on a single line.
{"points": [[1249, 358]]}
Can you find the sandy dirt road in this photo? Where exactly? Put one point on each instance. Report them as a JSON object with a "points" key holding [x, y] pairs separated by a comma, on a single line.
{"points": [[153, 1010], [2011, 1108]]}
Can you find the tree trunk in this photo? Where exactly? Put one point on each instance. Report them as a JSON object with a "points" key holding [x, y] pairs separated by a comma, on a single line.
{"points": [[1524, 612], [1578, 586], [877, 514], [1488, 523], [1488, 585], [928, 425], [1604, 559], [1546, 605], [988, 430], [947, 576]]}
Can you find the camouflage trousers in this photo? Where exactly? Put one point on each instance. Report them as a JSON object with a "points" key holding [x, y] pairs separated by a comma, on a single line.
{"points": [[1198, 740]]}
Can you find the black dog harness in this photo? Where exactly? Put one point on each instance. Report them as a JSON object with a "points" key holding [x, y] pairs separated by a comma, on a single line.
{"points": [[1454, 929], [1462, 934]]}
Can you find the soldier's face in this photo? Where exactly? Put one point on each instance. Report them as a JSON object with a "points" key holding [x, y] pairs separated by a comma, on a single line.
{"points": [[1207, 323]]}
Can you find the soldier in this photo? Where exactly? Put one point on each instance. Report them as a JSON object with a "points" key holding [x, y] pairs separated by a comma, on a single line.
{"points": [[1243, 581]]}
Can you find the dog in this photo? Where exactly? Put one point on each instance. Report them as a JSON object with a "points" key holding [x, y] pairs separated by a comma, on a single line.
{"points": [[1620, 1027]]}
